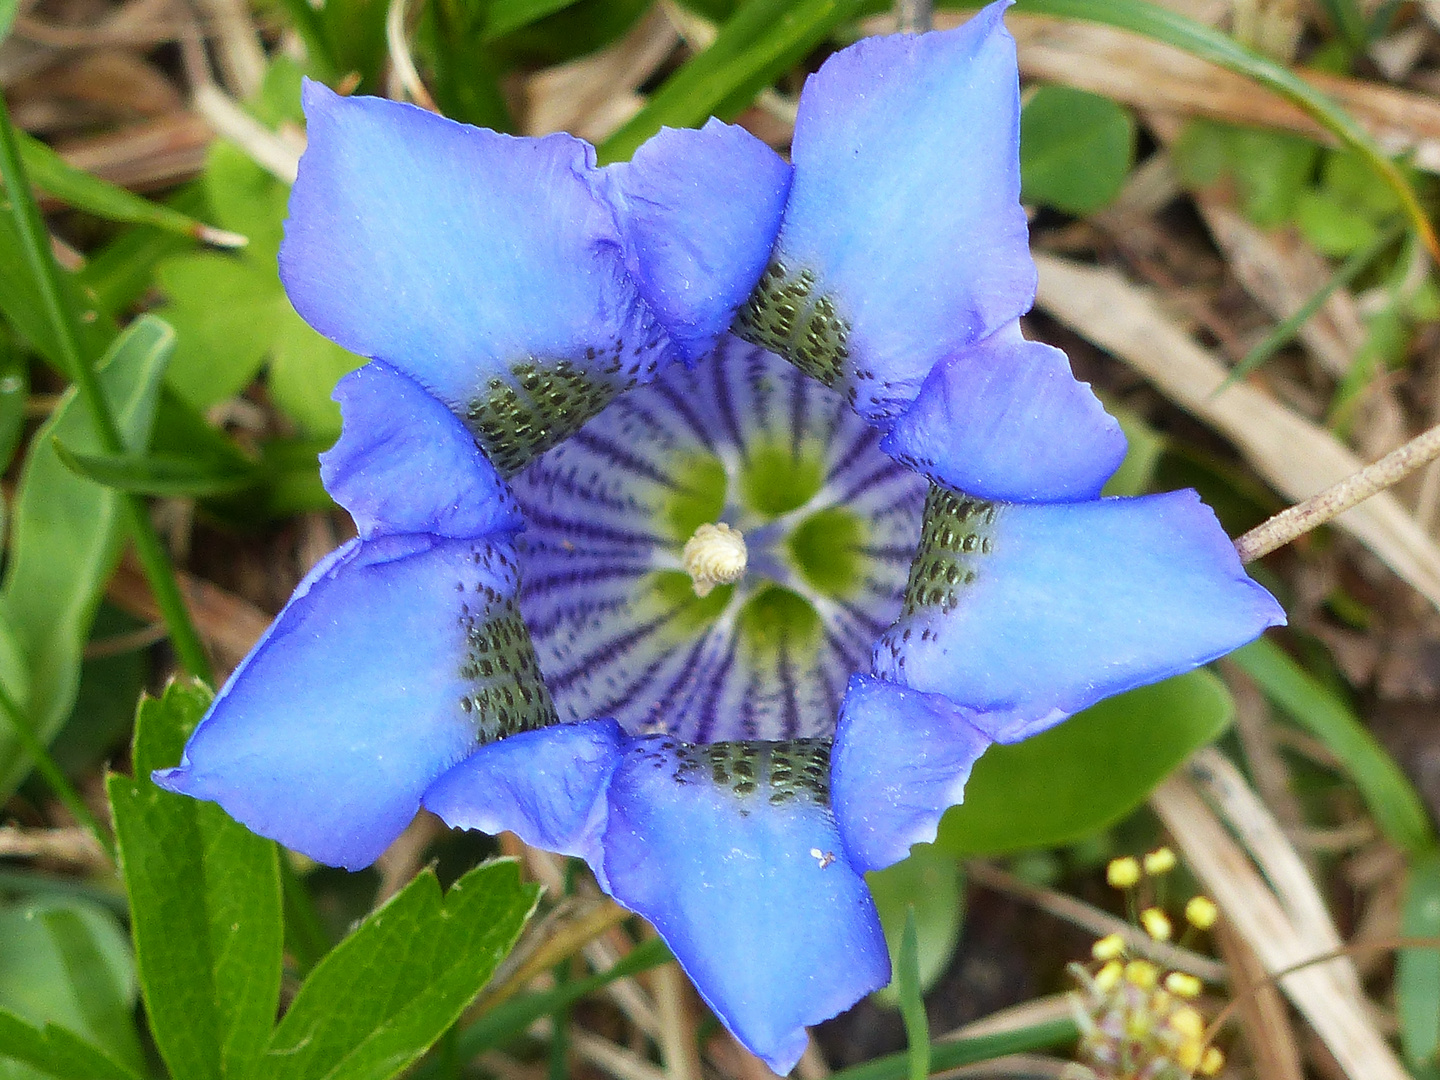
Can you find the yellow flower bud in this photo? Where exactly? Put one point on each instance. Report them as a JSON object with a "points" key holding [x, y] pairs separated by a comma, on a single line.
{"points": [[1156, 924], [1182, 985], [1142, 973], [1108, 947], [1212, 1062], [1160, 861], [1188, 1022], [1108, 977], [1201, 912], [1122, 873]]}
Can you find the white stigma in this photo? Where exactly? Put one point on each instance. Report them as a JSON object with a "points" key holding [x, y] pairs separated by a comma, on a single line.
{"points": [[715, 555]]}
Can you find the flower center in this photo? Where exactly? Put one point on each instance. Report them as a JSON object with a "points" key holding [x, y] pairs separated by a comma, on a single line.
{"points": [[714, 554]]}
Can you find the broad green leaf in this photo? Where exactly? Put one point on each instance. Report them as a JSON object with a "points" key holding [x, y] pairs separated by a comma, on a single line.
{"points": [[1076, 149], [1089, 771], [205, 906], [54, 1051], [762, 39], [154, 474], [304, 369], [50, 173], [8, 8], [1417, 971], [382, 996], [1270, 170], [929, 885], [65, 536], [226, 312], [1389, 795], [23, 307], [1333, 227], [66, 962]]}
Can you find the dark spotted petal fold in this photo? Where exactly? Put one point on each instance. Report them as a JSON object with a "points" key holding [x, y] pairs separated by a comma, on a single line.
{"points": [[1028, 614], [733, 854], [1005, 419], [699, 210], [485, 267], [364, 690], [903, 239], [901, 759], [405, 464]]}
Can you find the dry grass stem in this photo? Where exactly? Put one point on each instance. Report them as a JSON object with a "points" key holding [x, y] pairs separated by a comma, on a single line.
{"points": [[1013, 1067], [1098, 922], [615, 1060], [1040, 1010], [229, 625], [275, 153], [1264, 1018], [242, 60], [1315, 511], [1295, 455], [559, 936], [678, 1047], [1324, 993], [401, 62], [74, 847]]}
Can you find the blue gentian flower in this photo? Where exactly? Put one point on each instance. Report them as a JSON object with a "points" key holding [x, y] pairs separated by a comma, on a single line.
{"points": [[714, 515]]}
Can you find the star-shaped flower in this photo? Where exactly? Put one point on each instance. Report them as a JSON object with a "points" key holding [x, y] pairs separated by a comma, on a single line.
{"points": [[714, 516]]}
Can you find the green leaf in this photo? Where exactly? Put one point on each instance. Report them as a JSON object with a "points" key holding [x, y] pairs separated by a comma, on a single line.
{"points": [[761, 40], [66, 962], [912, 1004], [382, 996], [1269, 169], [505, 16], [304, 369], [511, 1018], [226, 312], [1089, 771], [14, 385], [953, 1053], [1391, 799], [65, 537], [205, 905], [1333, 227], [151, 474], [56, 1052], [24, 308], [929, 885], [1076, 149], [49, 172], [105, 705], [1417, 971], [8, 8]]}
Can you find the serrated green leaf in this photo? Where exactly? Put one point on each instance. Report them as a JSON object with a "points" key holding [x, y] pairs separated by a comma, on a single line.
{"points": [[762, 39], [56, 1052], [65, 536], [927, 885], [153, 474], [51, 173], [1417, 971], [1076, 149], [205, 906], [1389, 795], [1088, 772], [66, 962], [382, 996]]}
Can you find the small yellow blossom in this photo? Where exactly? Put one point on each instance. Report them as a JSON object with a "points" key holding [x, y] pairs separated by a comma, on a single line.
{"points": [[1156, 924], [1122, 873], [1201, 912], [1160, 861], [1182, 985], [1108, 947]]}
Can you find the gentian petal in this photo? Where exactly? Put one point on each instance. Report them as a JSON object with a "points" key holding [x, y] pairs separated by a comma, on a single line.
{"points": [[483, 266], [753, 895], [1005, 419], [901, 759], [547, 786], [361, 693], [405, 464], [903, 239], [700, 210], [1028, 614]]}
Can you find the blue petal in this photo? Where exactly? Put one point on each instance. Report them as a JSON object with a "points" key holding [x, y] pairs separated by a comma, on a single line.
{"points": [[904, 210], [700, 210], [354, 700], [405, 464], [1051, 608], [754, 898], [1005, 419], [546, 786], [901, 759], [485, 267]]}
